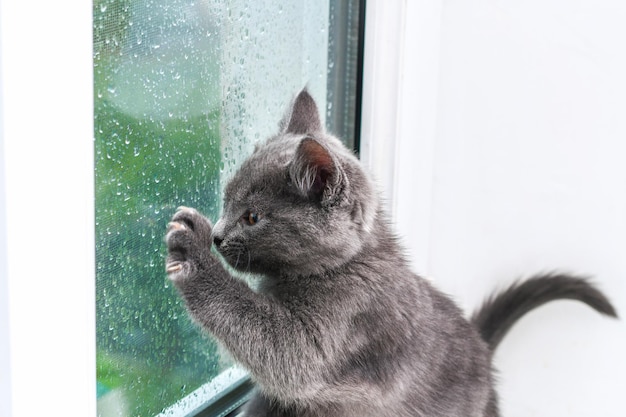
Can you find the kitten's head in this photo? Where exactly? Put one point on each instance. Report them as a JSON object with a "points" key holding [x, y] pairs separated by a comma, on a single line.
{"points": [[300, 204]]}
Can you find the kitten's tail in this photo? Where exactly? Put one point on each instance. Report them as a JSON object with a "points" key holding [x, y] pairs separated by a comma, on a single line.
{"points": [[499, 312]]}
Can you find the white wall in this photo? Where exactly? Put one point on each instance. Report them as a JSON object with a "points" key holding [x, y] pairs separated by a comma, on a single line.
{"points": [[511, 159], [47, 315]]}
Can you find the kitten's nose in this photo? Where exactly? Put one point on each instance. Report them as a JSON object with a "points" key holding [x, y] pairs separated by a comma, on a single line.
{"points": [[218, 233]]}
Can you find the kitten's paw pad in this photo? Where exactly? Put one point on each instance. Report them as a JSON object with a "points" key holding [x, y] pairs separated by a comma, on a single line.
{"points": [[173, 267], [173, 226], [177, 270], [179, 237], [188, 239], [192, 219], [180, 242]]}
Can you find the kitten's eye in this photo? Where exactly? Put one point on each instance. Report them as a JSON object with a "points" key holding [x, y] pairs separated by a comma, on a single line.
{"points": [[251, 218]]}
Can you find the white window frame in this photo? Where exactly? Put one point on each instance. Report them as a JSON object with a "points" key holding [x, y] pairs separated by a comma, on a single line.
{"points": [[47, 274], [399, 115]]}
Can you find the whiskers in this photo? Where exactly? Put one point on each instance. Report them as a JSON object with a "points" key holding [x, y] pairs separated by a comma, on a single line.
{"points": [[237, 261], [241, 250]]}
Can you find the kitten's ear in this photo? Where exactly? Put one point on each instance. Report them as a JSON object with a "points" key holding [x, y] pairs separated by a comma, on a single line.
{"points": [[303, 116], [315, 172]]}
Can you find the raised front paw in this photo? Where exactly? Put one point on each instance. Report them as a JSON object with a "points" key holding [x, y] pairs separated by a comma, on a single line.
{"points": [[188, 241]]}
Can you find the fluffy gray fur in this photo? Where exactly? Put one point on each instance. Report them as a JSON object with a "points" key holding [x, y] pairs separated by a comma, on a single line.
{"points": [[339, 326]]}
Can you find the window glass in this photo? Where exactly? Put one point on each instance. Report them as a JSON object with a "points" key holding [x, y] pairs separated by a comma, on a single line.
{"points": [[183, 89]]}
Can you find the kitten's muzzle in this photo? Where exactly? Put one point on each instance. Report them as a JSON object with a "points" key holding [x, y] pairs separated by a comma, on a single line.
{"points": [[217, 235]]}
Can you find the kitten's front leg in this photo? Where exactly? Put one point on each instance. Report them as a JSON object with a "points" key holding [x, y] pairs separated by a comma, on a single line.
{"points": [[264, 335], [211, 295]]}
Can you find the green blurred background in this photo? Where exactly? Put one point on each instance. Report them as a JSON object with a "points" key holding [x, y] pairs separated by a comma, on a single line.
{"points": [[156, 147]]}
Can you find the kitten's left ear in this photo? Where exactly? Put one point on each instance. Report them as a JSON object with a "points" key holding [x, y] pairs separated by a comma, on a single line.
{"points": [[303, 116], [316, 173]]}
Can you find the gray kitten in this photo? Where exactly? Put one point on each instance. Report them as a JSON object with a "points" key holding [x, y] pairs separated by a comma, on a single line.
{"points": [[339, 326]]}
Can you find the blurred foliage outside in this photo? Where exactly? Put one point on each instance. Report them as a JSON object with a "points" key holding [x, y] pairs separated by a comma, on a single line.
{"points": [[156, 147]]}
